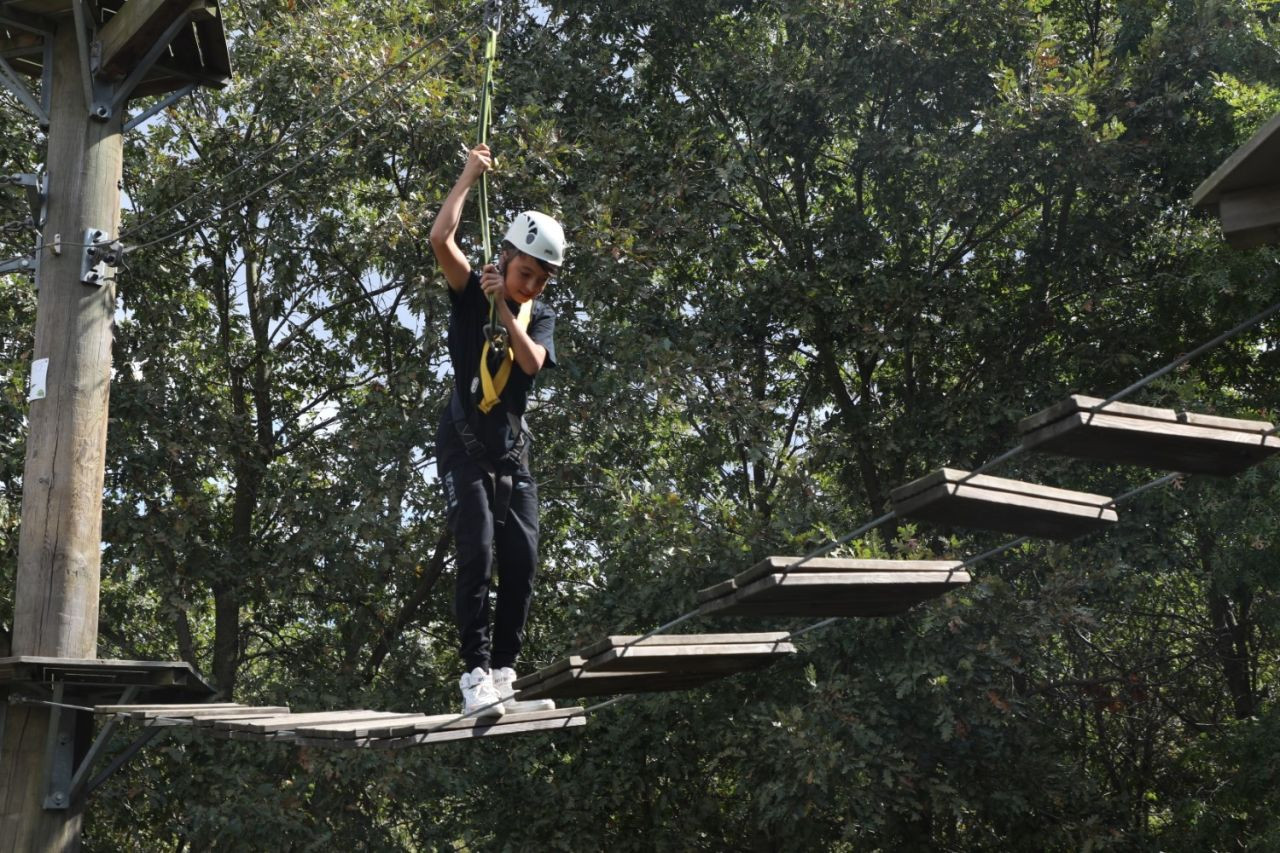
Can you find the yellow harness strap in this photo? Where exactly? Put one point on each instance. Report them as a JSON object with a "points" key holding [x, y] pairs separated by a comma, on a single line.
{"points": [[491, 384]]}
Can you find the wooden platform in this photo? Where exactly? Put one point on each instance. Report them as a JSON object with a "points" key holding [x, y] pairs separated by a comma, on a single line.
{"points": [[197, 54], [1141, 435], [664, 662], [831, 587], [1009, 506], [355, 729], [93, 679], [1244, 192]]}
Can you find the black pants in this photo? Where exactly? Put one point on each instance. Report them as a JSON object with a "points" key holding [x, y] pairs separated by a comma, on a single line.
{"points": [[468, 495]]}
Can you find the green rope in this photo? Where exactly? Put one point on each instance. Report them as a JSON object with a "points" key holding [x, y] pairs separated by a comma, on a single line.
{"points": [[486, 118]]}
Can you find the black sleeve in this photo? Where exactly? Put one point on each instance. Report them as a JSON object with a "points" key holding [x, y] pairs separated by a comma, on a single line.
{"points": [[542, 330], [471, 294]]}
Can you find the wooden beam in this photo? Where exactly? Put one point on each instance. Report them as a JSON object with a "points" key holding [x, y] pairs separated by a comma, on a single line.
{"points": [[952, 497], [1250, 217], [125, 39], [1254, 164], [829, 594], [1122, 433]]}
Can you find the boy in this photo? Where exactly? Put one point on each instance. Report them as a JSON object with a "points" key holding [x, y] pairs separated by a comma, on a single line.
{"points": [[482, 443]]}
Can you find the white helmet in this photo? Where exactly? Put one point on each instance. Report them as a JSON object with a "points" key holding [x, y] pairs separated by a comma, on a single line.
{"points": [[538, 236]]}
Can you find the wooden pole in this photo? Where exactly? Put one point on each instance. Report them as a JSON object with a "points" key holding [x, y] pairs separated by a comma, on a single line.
{"points": [[56, 592]]}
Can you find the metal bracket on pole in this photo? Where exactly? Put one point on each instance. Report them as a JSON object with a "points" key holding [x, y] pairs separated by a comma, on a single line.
{"points": [[27, 264], [97, 95], [37, 194], [81, 778], [148, 734], [59, 754], [99, 253], [164, 103], [14, 84]]}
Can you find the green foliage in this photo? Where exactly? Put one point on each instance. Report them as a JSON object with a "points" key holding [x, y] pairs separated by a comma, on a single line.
{"points": [[817, 249]]}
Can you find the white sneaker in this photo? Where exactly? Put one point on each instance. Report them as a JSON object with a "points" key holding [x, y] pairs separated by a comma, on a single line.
{"points": [[478, 693], [504, 682]]}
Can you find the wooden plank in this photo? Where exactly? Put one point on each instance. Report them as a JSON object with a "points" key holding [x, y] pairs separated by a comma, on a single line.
{"points": [[395, 725], [578, 683], [1169, 446], [1081, 403], [497, 729], [444, 722], [1250, 217], [1096, 405], [133, 31], [955, 477], [631, 640], [212, 39], [570, 662], [1240, 424], [693, 658], [220, 713], [209, 721], [403, 725], [873, 594], [106, 664], [285, 736], [772, 565], [987, 510], [1176, 441], [993, 503], [91, 677], [174, 707], [1254, 164], [282, 722]]}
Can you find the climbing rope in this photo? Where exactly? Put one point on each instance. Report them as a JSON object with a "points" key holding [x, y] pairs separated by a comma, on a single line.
{"points": [[494, 333]]}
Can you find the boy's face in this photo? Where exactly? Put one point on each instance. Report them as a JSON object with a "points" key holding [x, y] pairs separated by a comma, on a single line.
{"points": [[525, 278]]}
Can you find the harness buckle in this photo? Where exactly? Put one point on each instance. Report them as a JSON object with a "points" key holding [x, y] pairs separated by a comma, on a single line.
{"points": [[498, 338]]}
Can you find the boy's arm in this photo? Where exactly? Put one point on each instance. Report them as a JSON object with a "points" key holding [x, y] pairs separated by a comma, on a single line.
{"points": [[444, 230]]}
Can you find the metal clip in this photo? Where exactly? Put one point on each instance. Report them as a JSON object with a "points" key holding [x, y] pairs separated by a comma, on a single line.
{"points": [[94, 261], [498, 338]]}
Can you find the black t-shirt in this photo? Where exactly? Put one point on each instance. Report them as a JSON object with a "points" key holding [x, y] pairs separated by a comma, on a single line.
{"points": [[468, 314]]}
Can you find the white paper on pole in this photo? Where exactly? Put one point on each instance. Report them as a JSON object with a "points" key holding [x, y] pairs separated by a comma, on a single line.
{"points": [[39, 372]]}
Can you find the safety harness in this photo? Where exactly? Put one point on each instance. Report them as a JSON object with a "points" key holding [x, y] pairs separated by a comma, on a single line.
{"points": [[493, 385]]}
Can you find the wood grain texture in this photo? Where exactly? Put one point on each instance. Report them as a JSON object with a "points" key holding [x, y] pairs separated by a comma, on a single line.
{"points": [[1256, 163], [495, 730], [578, 683], [1081, 427], [55, 598], [282, 722], [819, 595], [785, 565], [1009, 506]]}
